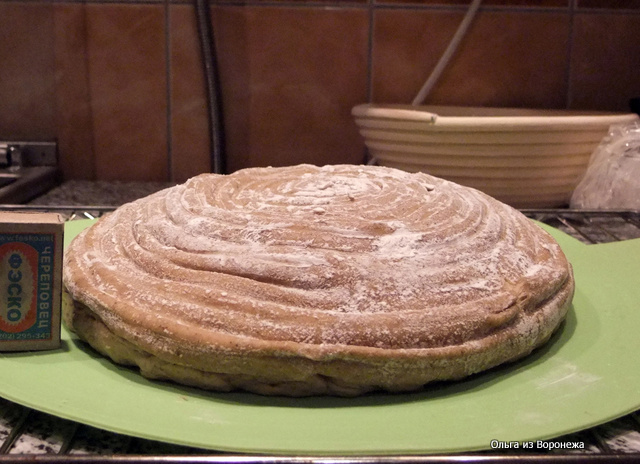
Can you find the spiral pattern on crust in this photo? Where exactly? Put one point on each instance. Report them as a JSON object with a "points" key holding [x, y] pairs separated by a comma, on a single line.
{"points": [[303, 258]]}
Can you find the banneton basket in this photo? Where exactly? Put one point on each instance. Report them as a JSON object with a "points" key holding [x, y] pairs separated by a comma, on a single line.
{"points": [[527, 158]]}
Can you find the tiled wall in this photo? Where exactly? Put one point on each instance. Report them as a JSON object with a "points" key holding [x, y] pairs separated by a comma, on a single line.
{"points": [[119, 83]]}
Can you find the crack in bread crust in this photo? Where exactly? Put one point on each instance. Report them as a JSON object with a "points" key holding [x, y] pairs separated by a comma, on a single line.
{"points": [[315, 281]]}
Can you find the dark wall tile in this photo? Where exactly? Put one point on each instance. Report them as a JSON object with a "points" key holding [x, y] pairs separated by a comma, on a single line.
{"points": [[74, 124], [610, 4], [506, 59], [189, 118], [127, 76], [96, 75], [290, 77], [604, 65], [512, 3], [234, 45], [289, 3], [26, 71]]}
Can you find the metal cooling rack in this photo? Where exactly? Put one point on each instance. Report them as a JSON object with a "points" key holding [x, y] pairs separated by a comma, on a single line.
{"points": [[591, 226], [29, 435]]}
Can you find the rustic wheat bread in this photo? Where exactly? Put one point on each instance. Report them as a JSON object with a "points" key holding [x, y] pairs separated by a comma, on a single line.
{"points": [[304, 280]]}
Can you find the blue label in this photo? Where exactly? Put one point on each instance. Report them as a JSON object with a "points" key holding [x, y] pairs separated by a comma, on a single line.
{"points": [[26, 286]]}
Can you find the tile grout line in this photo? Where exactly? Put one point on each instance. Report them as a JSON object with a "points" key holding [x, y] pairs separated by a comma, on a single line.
{"points": [[570, 49], [167, 40], [371, 14], [368, 4]]}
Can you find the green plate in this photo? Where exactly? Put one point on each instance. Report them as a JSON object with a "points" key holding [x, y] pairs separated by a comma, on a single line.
{"points": [[588, 374]]}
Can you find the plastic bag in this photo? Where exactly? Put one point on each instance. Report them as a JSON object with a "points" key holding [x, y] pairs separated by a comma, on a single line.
{"points": [[612, 180]]}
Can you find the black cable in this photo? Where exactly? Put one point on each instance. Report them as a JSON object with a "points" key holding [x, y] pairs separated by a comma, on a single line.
{"points": [[214, 106]]}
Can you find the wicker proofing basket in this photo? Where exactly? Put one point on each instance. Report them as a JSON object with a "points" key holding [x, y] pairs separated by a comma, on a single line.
{"points": [[523, 157]]}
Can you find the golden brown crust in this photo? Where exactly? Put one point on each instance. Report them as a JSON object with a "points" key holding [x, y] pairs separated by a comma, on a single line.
{"points": [[304, 280]]}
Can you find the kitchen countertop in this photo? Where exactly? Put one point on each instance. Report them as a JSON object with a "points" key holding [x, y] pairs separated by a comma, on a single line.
{"points": [[45, 434], [98, 193]]}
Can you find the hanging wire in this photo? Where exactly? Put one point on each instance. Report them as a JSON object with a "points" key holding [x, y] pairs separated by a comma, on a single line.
{"points": [[448, 53], [214, 106]]}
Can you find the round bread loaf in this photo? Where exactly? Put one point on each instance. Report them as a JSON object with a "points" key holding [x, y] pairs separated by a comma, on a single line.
{"points": [[304, 280]]}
